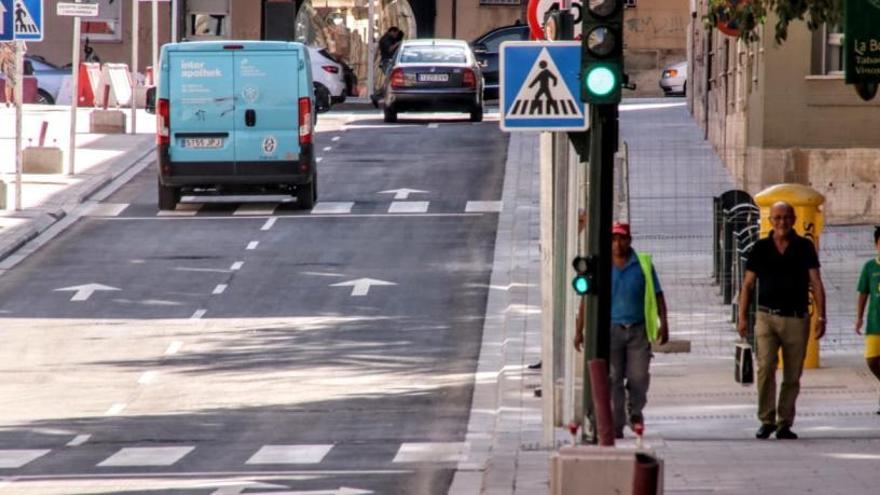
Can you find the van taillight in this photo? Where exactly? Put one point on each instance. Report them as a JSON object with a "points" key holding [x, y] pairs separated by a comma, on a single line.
{"points": [[397, 78], [305, 121], [468, 79], [163, 122]]}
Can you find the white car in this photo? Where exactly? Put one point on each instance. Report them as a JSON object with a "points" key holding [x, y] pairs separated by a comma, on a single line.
{"points": [[673, 81], [328, 77]]}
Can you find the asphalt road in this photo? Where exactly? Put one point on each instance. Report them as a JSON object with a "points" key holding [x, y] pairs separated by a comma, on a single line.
{"points": [[233, 346]]}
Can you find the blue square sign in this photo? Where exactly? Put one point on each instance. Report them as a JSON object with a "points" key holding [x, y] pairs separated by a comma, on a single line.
{"points": [[6, 33], [27, 19], [540, 86]]}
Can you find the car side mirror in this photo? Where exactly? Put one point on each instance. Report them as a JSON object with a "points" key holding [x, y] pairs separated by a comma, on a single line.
{"points": [[480, 49], [150, 103]]}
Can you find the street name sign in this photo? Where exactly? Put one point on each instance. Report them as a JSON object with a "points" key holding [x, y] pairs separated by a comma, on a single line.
{"points": [[861, 38], [68, 9], [540, 86], [27, 19]]}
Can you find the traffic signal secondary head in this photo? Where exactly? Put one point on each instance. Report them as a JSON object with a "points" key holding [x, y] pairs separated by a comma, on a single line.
{"points": [[602, 52], [584, 278]]}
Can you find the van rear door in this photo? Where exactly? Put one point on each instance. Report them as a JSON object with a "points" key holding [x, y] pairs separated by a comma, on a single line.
{"points": [[266, 112], [202, 107]]}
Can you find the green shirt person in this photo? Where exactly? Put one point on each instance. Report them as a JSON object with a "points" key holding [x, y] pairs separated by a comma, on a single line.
{"points": [[869, 288]]}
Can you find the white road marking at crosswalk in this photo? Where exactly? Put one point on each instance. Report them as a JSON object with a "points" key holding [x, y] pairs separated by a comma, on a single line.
{"points": [[483, 207], [106, 209], [252, 245], [431, 452], [408, 207], [290, 454], [256, 209], [269, 223], [173, 348], [236, 266], [332, 208], [115, 409], [335, 138], [198, 314], [219, 289], [146, 456], [16, 458], [148, 377], [78, 440]]}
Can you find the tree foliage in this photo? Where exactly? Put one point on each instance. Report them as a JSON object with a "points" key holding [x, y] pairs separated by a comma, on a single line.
{"points": [[746, 15]]}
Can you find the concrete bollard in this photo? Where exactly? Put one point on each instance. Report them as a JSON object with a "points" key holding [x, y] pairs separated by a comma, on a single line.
{"points": [[588, 470], [107, 122], [42, 160]]}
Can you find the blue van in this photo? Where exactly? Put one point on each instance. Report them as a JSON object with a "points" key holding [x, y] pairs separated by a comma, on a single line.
{"points": [[234, 116]]}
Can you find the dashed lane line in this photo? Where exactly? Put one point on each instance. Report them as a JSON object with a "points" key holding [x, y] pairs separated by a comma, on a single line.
{"points": [[332, 208], [220, 289], [252, 245], [408, 207], [236, 266], [328, 148], [199, 313], [78, 440], [148, 377], [335, 138], [256, 209], [146, 456], [115, 409], [173, 348], [269, 223]]}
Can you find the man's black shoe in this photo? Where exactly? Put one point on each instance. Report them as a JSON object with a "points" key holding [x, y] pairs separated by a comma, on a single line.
{"points": [[535, 366], [785, 433], [765, 431]]}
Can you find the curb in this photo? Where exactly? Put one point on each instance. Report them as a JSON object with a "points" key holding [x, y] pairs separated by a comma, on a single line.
{"points": [[79, 193]]}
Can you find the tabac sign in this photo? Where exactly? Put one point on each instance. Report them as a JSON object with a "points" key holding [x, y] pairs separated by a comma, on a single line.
{"points": [[862, 41]]}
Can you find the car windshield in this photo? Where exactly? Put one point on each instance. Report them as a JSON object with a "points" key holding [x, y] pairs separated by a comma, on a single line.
{"points": [[433, 54]]}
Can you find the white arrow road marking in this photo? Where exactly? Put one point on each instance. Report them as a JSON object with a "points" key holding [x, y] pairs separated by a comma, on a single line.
{"points": [[361, 286], [403, 192], [239, 487], [342, 490], [84, 292]]}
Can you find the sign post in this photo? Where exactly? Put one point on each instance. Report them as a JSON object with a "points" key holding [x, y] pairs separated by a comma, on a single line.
{"points": [[861, 39], [135, 39], [19, 92]]}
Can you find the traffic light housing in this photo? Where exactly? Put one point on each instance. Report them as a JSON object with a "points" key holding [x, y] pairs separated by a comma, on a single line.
{"points": [[584, 279], [602, 52]]}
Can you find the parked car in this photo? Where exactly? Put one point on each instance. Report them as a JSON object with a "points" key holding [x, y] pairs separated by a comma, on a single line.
{"points": [[50, 78], [486, 49], [433, 74], [329, 78], [673, 81]]}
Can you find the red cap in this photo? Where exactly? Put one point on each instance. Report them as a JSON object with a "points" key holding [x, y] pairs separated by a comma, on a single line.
{"points": [[620, 228]]}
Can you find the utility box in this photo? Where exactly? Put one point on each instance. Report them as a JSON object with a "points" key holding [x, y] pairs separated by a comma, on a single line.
{"points": [[107, 122], [591, 470], [42, 160]]}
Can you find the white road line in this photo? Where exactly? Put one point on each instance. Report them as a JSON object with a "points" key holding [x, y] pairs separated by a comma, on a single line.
{"points": [[328, 148], [255, 209], [318, 160], [236, 266], [329, 208], [78, 440], [146, 456], [16, 458], [290, 454], [219, 289], [253, 245], [173, 348], [483, 207], [408, 207], [335, 138], [148, 377], [199, 313], [430, 452], [106, 209], [433, 125], [269, 223], [115, 409], [290, 218], [183, 210]]}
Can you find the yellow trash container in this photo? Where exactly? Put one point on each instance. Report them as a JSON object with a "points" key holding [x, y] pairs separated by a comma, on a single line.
{"points": [[808, 223]]}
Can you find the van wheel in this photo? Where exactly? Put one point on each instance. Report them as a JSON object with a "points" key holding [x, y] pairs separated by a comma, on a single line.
{"points": [[477, 114], [390, 115], [44, 98], [168, 197], [307, 195]]}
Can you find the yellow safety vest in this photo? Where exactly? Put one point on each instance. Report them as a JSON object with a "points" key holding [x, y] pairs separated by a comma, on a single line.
{"points": [[652, 314]]}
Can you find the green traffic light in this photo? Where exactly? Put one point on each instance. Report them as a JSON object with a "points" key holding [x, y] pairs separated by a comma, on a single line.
{"points": [[581, 284], [601, 81]]}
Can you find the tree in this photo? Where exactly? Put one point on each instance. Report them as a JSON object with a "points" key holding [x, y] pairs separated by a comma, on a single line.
{"points": [[744, 16]]}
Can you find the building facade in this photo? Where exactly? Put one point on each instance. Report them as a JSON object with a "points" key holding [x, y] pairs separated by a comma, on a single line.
{"points": [[782, 113]]}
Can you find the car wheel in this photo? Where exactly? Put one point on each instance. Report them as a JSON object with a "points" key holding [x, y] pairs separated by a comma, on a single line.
{"points": [[168, 197], [44, 98], [390, 115], [477, 114]]}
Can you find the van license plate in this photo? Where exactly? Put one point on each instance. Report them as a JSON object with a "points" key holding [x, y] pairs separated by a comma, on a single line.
{"points": [[203, 143], [433, 77]]}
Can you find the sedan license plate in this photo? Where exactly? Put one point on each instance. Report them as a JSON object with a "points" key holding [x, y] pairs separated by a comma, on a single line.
{"points": [[433, 77], [203, 143]]}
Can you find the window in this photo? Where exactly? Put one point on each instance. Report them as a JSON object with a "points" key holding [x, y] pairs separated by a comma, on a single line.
{"points": [[493, 41], [433, 54], [207, 19], [832, 54], [107, 25]]}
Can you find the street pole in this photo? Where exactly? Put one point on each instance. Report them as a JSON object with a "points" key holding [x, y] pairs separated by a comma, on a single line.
{"points": [[74, 100], [174, 22], [135, 38], [155, 37], [371, 49], [19, 96]]}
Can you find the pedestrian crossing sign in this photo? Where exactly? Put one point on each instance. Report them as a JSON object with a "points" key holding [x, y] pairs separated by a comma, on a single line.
{"points": [[540, 86], [26, 17]]}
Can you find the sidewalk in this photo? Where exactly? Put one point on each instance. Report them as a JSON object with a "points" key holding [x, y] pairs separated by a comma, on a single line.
{"points": [[47, 198], [698, 419]]}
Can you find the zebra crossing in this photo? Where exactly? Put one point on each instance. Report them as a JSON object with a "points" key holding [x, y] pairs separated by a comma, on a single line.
{"points": [[244, 210], [264, 455]]}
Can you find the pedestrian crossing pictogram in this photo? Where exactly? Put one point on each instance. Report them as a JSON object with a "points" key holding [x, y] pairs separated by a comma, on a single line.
{"points": [[27, 19], [545, 94], [539, 86]]}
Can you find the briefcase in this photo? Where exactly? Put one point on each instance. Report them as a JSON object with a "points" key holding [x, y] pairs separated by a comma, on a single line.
{"points": [[744, 372]]}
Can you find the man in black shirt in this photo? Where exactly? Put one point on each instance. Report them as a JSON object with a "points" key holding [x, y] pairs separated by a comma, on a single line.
{"points": [[786, 269]]}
